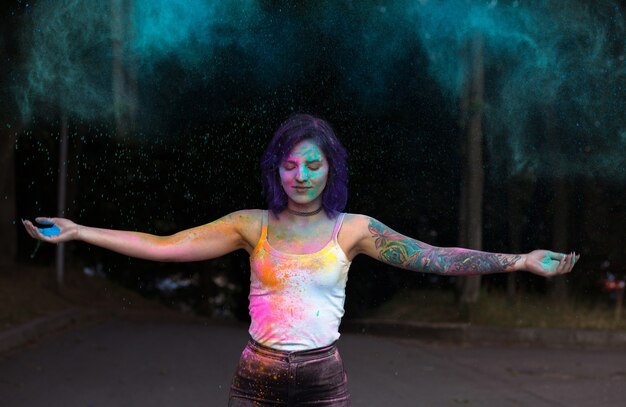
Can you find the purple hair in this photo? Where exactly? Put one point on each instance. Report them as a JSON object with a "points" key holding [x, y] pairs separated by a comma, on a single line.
{"points": [[297, 128]]}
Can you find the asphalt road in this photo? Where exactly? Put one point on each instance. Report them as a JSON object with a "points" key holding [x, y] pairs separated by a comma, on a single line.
{"points": [[124, 363]]}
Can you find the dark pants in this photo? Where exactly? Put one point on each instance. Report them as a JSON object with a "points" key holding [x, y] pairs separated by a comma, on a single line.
{"points": [[269, 377]]}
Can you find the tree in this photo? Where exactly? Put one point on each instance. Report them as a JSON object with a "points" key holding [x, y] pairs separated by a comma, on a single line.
{"points": [[560, 206], [8, 236], [123, 78], [470, 216], [8, 136], [520, 190]]}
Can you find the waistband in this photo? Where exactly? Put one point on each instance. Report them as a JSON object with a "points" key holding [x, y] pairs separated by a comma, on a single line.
{"points": [[294, 356]]}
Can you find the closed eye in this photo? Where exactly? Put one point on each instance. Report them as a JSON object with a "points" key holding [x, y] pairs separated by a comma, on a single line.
{"points": [[314, 167]]}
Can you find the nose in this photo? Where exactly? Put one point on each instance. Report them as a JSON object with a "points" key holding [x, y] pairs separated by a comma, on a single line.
{"points": [[302, 174]]}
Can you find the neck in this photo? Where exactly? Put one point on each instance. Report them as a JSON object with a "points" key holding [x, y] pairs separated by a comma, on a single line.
{"points": [[304, 212], [304, 207]]}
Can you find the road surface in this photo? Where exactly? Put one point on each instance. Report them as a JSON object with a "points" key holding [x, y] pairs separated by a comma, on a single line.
{"points": [[130, 363]]}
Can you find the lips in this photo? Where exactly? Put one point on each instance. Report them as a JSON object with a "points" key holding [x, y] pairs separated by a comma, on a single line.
{"points": [[301, 189]]}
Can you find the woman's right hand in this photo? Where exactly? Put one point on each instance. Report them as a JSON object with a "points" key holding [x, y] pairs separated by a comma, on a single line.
{"points": [[68, 230]]}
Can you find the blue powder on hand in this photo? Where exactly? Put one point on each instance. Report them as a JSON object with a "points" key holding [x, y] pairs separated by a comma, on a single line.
{"points": [[51, 231]]}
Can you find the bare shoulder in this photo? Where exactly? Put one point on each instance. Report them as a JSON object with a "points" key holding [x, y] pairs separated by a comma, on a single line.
{"points": [[248, 223], [367, 225], [354, 218], [356, 221], [353, 231], [247, 216]]}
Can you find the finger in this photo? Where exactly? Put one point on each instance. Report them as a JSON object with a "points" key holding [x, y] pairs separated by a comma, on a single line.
{"points": [[36, 233], [574, 260], [561, 265], [568, 263], [562, 258], [44, 220], [28, 229]]}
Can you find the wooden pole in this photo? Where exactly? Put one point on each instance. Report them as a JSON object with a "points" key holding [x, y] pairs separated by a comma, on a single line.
{"points": [[61, 197]]}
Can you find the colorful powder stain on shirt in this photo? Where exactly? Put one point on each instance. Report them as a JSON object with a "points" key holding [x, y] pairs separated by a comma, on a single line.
{"points": [[296, 300]]}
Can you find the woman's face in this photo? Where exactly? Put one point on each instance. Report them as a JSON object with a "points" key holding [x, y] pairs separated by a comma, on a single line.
{"points": [[303, 174]]}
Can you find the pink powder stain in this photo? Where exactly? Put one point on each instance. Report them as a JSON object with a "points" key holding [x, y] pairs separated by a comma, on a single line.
{"points": [[277, 310], [281, 308]]}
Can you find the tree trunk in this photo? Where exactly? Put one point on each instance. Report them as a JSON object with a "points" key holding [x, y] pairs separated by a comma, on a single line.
{"points": [[520, 191], [515, 233], [560, 232], [124, 78], [62, 198], [8, 226], [472, 191], [561, 210]]}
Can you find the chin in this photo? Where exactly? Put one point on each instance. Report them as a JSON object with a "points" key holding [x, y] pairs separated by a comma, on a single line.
{"points": [[302, 201]]}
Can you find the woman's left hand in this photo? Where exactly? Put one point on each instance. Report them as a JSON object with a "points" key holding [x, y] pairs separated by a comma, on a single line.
{"points": [[548, 264]]}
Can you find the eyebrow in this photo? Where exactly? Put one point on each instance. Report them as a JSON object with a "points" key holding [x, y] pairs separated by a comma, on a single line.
{"points": [[308, 162]]}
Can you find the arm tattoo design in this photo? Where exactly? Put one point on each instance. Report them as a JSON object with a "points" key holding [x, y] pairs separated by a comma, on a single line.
{"points": [[401, 251]]}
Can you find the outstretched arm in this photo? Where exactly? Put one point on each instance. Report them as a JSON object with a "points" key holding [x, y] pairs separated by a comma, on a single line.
{"points": [[383, 243], [200, 243]]}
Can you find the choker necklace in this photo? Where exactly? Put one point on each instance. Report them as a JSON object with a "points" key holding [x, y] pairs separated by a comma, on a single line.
{"points": [[305, 213]]}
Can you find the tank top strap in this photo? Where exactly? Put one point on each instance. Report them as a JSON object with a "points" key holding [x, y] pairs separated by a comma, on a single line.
{"points": [[337, 226], [264, 224], [263, 236]]}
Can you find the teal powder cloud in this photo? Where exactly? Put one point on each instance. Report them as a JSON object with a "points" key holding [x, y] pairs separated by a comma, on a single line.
{"points": [[69, 43], [552, 67], [558, 63], [555, 83], [68, 58], [190, 30]]}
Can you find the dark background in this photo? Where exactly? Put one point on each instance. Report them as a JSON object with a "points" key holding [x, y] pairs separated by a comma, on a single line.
{"points": [[193, 156]]}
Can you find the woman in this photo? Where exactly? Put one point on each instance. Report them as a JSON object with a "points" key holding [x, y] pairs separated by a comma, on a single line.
{"points": [[300, 252]]}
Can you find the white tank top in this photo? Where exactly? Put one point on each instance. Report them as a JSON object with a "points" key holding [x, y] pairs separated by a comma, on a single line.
{"points": [[296, 300]]}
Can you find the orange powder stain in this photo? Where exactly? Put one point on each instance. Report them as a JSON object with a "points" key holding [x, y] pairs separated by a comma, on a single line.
{"points": [[269, 277], [274, 276]]}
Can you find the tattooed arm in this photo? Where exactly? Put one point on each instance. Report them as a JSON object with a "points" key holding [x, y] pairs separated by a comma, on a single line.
{"points": [[384, 244]]}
